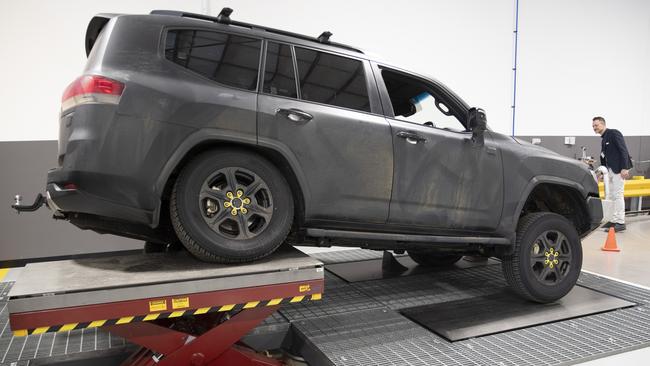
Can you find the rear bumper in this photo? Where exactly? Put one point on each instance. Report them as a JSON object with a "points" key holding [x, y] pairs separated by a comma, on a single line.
{"points": [[79, 200]]}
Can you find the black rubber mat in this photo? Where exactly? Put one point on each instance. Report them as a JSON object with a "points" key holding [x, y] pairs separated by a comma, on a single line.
{"points": [[504, 311], [367, 270]]}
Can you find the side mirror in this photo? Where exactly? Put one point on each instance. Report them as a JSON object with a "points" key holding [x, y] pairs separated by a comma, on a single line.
{"points": [[477, 124]]}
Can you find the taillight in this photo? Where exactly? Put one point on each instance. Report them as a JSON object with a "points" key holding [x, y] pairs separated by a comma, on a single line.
{"points": [[92, 89]]}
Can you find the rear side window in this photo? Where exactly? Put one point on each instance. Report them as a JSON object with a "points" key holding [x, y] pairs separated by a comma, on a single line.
{"points": [[225, 58], [279, 75], [331, 79]]}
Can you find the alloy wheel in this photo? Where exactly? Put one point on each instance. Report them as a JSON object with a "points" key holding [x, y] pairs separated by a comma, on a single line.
{"points": [[236, 203]]}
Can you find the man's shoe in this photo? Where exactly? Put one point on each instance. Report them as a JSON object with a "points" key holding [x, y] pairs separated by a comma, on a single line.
{"points": [[617, 228], [607, 225]]}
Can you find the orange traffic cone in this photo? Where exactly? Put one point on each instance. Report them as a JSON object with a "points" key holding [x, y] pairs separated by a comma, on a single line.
{"points": [[610, 243]]}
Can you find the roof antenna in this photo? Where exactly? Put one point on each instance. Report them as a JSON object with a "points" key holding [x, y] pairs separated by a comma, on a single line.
{"points": [[325, 37], [224, 16]]}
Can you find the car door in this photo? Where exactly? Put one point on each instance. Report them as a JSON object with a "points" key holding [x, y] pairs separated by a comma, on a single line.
{"points": [[325, 118], [442, 179]]}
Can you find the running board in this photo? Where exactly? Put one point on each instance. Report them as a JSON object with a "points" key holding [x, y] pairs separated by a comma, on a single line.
{"points": [[323, 233]]}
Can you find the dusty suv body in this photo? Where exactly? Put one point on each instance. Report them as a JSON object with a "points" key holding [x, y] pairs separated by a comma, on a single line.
{"points": [[233, 138]]}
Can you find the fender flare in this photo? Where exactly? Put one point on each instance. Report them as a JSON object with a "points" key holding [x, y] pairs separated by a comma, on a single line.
{"points": [[203, 136], [541, 179]]}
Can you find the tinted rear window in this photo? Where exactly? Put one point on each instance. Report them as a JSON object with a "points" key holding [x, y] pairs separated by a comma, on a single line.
{"points": [[331, 79], [225, 58]]}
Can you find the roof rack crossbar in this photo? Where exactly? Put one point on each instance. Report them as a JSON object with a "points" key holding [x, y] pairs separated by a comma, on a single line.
{"points": [[224, 18]]}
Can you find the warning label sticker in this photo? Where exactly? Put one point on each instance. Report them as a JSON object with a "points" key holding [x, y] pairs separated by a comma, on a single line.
{"points": [[157, 305], [181, 302], [304, 288]]}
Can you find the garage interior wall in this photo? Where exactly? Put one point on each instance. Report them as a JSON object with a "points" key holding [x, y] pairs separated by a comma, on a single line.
{"points": [[577, 59]]}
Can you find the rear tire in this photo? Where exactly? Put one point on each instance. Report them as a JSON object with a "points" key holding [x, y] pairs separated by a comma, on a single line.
{"points": [[546, 260], [231, 206], [433, 259]]}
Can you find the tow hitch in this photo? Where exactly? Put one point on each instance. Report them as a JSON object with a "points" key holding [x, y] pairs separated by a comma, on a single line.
{"points": [[38, 202]]}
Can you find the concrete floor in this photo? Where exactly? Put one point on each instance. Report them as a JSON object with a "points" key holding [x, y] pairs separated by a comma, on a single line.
{"points": [[632, 263]]}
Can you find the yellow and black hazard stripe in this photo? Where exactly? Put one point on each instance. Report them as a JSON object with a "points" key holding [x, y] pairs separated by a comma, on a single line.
{"points": [[165, 315]]}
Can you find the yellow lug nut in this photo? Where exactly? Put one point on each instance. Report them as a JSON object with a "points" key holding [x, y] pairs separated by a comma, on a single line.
{"points": [[233, 212], [247, 201], [226, 204], [240, 193], [244, 210], [230, 195]]}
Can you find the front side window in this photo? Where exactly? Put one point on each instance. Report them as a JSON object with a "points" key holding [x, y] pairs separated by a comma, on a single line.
{"points": [[279, 75], [331, 79], [225, 58], [417, 102]]}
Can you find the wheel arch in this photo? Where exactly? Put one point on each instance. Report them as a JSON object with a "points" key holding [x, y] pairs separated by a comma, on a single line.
{"points": [[202, 141], [558, 195]]}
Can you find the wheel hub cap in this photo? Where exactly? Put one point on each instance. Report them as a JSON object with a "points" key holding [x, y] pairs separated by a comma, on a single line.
{"points": [[237, 202], [551, 258]]}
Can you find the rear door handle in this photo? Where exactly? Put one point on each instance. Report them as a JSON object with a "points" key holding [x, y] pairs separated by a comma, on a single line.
{"points": [[411, 137], [295, 115]]}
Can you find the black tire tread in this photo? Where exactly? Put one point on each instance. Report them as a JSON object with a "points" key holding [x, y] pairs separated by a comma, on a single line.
{"points": [[510, 264], [197, 250]]}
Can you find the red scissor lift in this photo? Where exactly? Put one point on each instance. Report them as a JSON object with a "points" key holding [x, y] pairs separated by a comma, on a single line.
{"points": [[179, 310]]}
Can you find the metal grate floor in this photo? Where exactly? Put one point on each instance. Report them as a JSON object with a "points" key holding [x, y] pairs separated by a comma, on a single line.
{"points": [[379, 335], [359, 324], [18, 351]]}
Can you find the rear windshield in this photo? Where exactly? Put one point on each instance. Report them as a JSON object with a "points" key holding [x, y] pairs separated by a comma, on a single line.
{"points": [[228, 59]]}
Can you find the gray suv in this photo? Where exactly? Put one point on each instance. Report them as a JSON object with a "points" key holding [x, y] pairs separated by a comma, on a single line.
{"points": [[232, 138]]}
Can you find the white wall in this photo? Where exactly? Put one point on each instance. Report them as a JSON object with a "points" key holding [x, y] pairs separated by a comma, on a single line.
{"points": [[577, 58], [43, 51], [466, 44], [582, 58]]}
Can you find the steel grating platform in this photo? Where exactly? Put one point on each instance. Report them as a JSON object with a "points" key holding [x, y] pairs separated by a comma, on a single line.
{"points": [[359, 323], [377, 334], [19, 351]]}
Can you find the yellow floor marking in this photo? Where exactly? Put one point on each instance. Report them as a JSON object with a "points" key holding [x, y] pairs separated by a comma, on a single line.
{"points": [[20, 333], [316, 296], [176, 314], [3, 273], [274, 302]]}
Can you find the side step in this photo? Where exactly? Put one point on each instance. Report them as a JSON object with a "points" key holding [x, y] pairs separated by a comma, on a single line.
{"points": [[362, 235]]}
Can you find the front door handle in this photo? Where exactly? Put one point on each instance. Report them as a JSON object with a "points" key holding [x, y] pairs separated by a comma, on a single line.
{"points": [[295, 115], [411, 137]]}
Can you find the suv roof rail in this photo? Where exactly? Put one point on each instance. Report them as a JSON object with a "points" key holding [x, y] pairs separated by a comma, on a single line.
{"points": [[224, 18]]}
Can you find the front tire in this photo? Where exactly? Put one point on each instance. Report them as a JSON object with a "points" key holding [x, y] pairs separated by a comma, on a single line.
{"points": [[231, 207], [546, 260]]}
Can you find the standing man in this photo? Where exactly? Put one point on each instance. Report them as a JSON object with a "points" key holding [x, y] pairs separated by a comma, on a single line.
{"points": [[616, 158]]}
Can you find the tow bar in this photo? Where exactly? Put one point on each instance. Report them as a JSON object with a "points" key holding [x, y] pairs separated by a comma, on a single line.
{"points": [[38, 202]]}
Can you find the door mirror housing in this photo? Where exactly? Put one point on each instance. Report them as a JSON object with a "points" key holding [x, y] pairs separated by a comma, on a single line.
{"points": [[477, 124]]}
